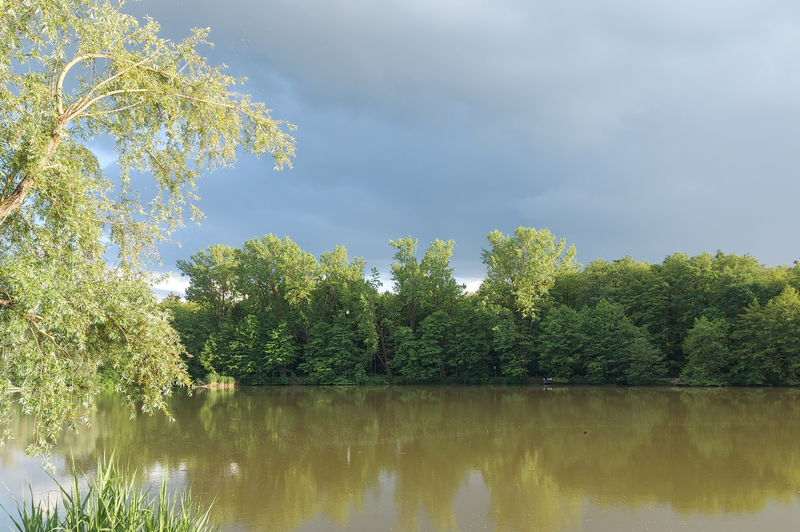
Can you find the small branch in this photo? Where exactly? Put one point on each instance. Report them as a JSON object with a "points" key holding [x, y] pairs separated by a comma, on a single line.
{"points": [[121, 72], [133, 139], [29, 319], [174, 95], [26, 221], [75, 60], [71, 112], [111, 111], [121, 329], [11, 177], [33, 232], [98, 220]]}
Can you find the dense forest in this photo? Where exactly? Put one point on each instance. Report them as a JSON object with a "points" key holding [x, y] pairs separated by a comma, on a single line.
{"points": [[271, 313]]}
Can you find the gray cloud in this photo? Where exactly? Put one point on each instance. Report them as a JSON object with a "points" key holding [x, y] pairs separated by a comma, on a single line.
{"points": [[626, 127]]}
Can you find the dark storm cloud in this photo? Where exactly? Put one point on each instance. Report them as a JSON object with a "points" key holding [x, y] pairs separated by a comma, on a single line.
{"points": [[627, 127]]}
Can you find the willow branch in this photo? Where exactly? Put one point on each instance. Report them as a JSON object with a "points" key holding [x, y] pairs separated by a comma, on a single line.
{"points": [[71, 112], [122, 72], [29, 319], [134, 139], [75, 60], [112, 111]]}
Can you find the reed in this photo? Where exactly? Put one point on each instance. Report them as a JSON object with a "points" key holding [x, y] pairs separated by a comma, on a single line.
{"points": [[113, 502], [216, 381]]}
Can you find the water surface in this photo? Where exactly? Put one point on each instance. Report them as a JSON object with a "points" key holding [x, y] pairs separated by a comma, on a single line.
{"points": [[419, 458]]}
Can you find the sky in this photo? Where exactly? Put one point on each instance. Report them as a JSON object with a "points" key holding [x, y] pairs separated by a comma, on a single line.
{"points": [[625, 127]]}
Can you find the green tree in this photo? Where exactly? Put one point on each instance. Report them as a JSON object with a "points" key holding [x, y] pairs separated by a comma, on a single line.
{"points": [[380, 307], [408, 280], [423, 356], [70, 71], [333, 356], [616, 350], [213, 278], [521, 270], [194, 324], [613, 281], [646, 364], [709, 358], [426, 294], [342, 335], [561, 344], [278, 276], [279, 352], [769, 339], [471, 340]]}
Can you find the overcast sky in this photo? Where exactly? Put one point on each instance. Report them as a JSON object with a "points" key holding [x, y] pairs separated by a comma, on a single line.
{"points": [[627, 127]]}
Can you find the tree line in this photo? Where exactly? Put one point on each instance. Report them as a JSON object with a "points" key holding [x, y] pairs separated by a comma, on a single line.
{"points": [[270, 312]]}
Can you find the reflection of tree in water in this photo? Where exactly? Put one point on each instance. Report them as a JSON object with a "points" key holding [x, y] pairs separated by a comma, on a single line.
{"points": [[525, 496], [747, 443], [276, 458]]}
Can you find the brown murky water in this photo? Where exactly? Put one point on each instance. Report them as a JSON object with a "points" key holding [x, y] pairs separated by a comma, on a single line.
{"points": [[589, 459]]}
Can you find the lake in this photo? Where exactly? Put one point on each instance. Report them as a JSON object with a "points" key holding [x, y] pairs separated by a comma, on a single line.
{"points": [[453, 458]]}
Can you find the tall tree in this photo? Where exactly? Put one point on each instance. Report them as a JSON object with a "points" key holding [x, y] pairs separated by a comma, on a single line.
{"points": [[769, 339], [278, 277], [342, 336], [213, 276], [521, 270], [426, 293], [408, 279], [709, 358], [70, 71]]}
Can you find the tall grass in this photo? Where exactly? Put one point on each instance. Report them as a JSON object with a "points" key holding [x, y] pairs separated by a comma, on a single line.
{"points": [[216, 381], [113, 502]]}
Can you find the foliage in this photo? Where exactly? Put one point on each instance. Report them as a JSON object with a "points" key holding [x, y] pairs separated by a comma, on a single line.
{"points": [[72, 71], [709, 357], [212, 272], [332, 356], [645, 364], [112, 501], [194, 324], [522, 269], [278, 277], [620, 322], [561, 344], [770, 341]]}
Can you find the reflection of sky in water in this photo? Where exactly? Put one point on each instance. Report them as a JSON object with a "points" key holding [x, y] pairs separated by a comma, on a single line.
{"points": [[457, 458], [22, 474]]}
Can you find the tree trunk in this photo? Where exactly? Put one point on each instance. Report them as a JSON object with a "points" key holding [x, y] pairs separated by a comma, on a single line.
{"points": [[382, 355], [16, 199]]}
